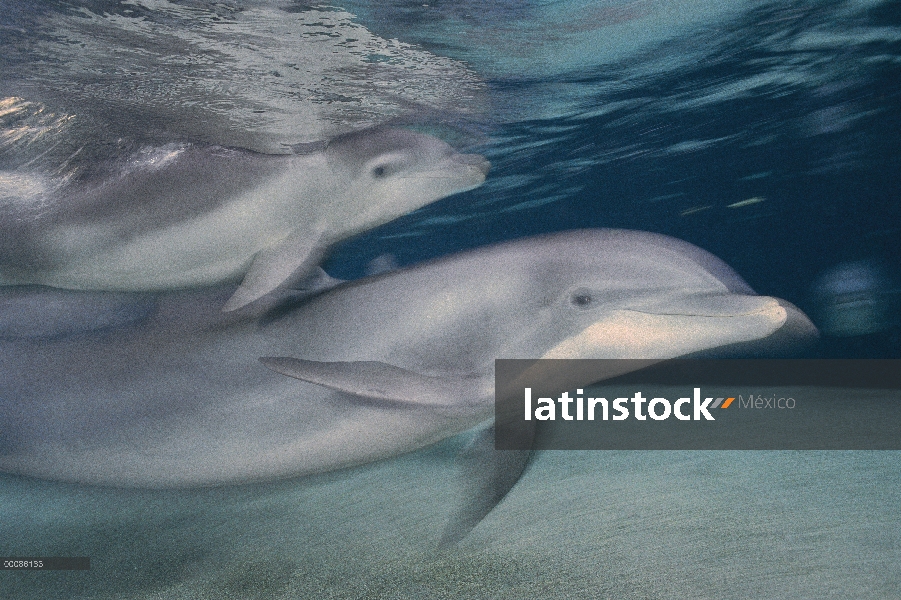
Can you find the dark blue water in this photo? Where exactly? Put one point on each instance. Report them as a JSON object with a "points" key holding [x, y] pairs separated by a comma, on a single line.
{"points": [[808, 129]]}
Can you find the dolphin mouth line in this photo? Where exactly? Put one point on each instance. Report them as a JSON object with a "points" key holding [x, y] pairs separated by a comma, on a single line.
{"points": [[758, 311], [448, 177]]}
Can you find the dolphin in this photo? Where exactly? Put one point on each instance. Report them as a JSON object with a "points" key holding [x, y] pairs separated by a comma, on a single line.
{"points": [[172, 392], [185, 215]]}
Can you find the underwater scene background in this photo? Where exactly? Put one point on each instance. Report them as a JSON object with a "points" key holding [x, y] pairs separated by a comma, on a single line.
{"points": [[764, 132]]}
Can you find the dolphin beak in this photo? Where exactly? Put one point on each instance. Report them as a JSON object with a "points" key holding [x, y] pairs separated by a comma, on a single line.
{"points": [[678, 326], [797, 322], [797, 334], [473, 160], [714, 305]]}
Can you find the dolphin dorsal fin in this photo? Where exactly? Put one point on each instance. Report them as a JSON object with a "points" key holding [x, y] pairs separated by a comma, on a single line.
{"points": [[376, 380]]}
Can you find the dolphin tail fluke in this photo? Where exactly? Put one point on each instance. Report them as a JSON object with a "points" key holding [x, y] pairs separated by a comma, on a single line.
{"points": [[488, 475], [291, 258], [372, 380]]}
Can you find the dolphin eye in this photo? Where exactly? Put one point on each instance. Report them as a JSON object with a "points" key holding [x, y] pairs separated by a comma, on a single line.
{"points": [[389, 164], [581, 299]]}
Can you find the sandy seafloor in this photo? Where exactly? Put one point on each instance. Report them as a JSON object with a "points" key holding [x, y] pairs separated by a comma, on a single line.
{"points": [[591, 524]]}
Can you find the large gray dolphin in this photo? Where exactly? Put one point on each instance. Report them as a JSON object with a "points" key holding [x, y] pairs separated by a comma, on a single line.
{"points": [[184, 215], [135, 390]]}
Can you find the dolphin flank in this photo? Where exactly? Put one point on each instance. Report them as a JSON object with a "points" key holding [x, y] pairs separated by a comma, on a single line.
{"points": [[183, 215], [175, 394]]}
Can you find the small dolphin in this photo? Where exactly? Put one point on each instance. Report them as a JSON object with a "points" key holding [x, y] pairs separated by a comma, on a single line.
{"points": [[178, 395], [184, 215]]}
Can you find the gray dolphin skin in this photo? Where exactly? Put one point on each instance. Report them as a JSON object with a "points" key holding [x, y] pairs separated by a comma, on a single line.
{"points": [[176, 395], [183, 215]]}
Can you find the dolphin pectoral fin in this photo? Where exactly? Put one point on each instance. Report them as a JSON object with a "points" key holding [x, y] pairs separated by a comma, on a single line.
{"points": [[274, 266], [315, 282], [372, 380], [37, 312], [488, 475]]}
